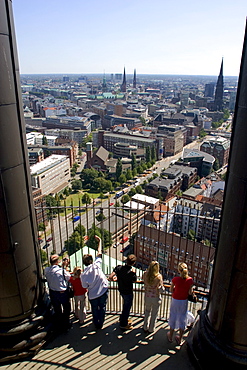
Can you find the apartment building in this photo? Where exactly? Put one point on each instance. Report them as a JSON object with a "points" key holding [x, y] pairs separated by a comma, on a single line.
{"points": [[112, 120], [173, 179], [169, 249], [111, 138], [35, 155], [218, 147], [52, 174], [39, 202], [77, 135], [174, 139]]}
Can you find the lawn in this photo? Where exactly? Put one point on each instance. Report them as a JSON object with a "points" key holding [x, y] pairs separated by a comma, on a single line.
{"points": [[74, 198]]}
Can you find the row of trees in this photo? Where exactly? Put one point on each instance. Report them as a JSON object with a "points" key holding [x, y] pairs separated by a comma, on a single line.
{"points": [[76, 239], [102, 182]]}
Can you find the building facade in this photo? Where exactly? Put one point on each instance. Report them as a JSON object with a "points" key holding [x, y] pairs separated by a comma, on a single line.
{"points": [[51, 175], [169, 249], [218, 147]]}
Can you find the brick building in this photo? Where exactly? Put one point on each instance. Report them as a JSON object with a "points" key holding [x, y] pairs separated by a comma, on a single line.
{"points": [[169, 249], [218, 147]]}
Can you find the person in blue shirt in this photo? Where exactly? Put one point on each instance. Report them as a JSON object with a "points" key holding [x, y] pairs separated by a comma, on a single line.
{"points": [[57, 278]]}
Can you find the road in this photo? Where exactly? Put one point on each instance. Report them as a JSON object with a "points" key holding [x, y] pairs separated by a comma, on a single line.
{"points": [[62, 227]]}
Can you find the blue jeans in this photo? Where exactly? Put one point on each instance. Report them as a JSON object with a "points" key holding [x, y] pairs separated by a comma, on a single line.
{"points": [[61, 305], [98, 306], [127, 303]]}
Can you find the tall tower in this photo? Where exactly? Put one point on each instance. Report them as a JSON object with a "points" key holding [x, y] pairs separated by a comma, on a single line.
{"points": [[134, 80], [104, 86], [218, 99], [123, 87]]}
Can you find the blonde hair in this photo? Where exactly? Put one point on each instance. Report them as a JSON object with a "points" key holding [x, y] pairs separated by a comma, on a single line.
{"points": [[183, 270], [152, 271], [77, 272]]}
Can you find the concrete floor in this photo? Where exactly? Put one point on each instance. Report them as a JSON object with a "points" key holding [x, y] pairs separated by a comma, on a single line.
{"points": [[85, 348]]}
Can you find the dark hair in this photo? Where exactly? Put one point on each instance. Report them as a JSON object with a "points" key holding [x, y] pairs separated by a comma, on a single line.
{"points": [[87, 259], [131, 259]]}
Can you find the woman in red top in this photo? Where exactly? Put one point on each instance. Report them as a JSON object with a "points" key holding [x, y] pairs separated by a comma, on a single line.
{"points": [[181, 287], [79, 295]]}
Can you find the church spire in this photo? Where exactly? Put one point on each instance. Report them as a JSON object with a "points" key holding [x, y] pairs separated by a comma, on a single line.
{"points": [[104, 86], [123, 87], [218, 99], [134, 80]]}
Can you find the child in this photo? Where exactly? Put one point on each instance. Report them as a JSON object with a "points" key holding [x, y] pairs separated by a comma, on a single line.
{"points": [[79, 295]]}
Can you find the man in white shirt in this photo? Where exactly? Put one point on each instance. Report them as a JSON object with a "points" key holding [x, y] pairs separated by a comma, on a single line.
{"points": [[57, 278], [96, 282]]}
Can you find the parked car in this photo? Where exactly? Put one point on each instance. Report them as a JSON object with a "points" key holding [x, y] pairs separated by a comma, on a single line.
{"points": [[49, 239], [111, 204], [62, 251], [125, 249], [46, 246]]}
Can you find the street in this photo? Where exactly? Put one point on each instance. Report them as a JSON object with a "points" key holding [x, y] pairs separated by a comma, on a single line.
{"points": [[62, 227]]}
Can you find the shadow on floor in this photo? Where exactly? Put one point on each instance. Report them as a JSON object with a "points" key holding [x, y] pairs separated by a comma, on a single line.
{"points": [[110, 348]]}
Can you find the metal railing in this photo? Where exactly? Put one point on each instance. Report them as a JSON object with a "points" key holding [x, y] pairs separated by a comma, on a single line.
{"points": [[143, 231]]}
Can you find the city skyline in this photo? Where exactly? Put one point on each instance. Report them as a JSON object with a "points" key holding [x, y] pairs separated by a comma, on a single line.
{"points": [[61, 37]]}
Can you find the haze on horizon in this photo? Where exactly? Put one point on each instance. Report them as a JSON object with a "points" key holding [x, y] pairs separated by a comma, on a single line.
{"points": [[158, 37]]}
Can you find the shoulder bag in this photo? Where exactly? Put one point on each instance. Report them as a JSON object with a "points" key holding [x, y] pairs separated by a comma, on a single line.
{"points": [[192, 298]]}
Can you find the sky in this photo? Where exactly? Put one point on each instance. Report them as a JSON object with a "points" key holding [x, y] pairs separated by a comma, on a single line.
{"points": [[182, 37]]}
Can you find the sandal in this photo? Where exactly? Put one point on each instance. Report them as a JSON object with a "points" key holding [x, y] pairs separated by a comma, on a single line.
{"points": [[168, 337], [178, 340]]}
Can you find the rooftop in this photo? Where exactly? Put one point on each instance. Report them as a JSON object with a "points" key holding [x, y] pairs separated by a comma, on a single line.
{"points": [[47, 163]]}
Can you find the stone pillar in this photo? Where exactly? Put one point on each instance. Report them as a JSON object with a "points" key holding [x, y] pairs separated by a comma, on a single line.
{"points": [[220, 336], [21, 289]]}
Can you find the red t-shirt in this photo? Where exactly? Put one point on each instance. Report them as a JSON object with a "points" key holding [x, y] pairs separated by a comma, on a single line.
{"points": [[181, 287], [77, 287]]}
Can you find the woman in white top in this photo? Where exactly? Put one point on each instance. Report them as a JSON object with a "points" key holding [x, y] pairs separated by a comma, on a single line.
{"points": [[152, 283]]}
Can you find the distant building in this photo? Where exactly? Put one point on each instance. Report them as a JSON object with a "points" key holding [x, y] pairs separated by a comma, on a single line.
{"points": [[126, 150], [111, 138], [115, 108], [161, 188], [199, 159], [112, 120], [218, 99], [134, 79], [173, 139], [218, 147], [123, 87], [209, 90], [189, 174], [51, 175], [185, 218], [100, 160], [35, 155], [172, 180], [39, 204]]}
